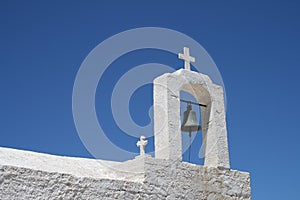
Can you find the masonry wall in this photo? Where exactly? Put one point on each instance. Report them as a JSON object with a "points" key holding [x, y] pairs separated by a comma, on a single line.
{"points": [[21, 183], [162, 180], [181, 180]]}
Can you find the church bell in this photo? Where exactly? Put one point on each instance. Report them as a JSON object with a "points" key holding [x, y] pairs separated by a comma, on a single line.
{"points": [[190, 122]]}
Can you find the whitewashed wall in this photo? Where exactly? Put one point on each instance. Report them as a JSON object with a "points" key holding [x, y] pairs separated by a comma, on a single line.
{"points": [[156, 179]]}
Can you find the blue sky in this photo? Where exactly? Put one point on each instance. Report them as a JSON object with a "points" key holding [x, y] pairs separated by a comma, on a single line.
{"points": [[255, 45]]}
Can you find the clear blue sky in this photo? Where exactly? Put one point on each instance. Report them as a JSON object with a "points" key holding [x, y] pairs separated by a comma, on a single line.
{"points": [[255, 45]]}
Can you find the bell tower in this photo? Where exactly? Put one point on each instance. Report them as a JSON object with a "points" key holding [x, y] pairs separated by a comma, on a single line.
{"points": [[167, 125]]}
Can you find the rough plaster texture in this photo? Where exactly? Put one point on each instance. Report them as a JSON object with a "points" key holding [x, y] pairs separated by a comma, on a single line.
{"points": [[167, 123], [29, 175]]}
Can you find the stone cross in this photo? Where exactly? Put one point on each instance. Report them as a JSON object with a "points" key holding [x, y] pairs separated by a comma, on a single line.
{"points": [[142, 143], [186, 57]]}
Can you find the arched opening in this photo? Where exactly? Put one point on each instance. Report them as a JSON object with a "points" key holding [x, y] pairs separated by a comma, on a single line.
{"points": [[191, 142], [193, 149]]}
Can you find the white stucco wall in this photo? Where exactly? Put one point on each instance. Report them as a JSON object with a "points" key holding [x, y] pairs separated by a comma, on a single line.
{"points": [[29, 175]]}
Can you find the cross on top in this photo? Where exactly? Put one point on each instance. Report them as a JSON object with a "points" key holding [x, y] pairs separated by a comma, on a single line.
{"points": [[186, 57], [142, 143]]}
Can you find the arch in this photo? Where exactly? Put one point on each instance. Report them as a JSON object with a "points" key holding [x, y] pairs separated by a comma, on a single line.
{"points": [[202, 96], [167, 116]]}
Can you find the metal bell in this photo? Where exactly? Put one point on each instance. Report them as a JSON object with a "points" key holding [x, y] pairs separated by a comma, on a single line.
{"points": [[190, 122]]}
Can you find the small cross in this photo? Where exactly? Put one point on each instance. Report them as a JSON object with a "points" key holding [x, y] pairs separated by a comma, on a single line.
{"points": [[186, 57], [142, 143]]}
